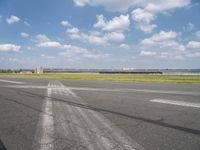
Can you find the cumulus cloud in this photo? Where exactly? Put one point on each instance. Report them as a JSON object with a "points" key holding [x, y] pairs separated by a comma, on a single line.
{"points": [[114, 36], [120, 23], [49, 44], [163, 40], [189, 27], [81, 3], [95, 37], [111, 31], [144, 11], [75, 51], [162, 36], [47, 56], [68, 51], [44, 41], [197, 34], [165, 45], [9, 47], [124, 46], [73, 30], [193, 44], [123, 6], [24, 35], [12, 19], [145, 15], [64, 23], [143, 19], [147, 53]]}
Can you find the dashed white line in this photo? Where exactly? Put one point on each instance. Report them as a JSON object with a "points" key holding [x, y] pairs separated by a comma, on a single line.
{"points": [[179, 103]]}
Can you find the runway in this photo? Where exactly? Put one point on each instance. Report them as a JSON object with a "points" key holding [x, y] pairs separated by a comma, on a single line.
{"points": [[58, 114]]}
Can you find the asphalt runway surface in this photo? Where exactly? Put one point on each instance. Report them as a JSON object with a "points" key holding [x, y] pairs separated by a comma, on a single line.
{"points": [[58, 114]]}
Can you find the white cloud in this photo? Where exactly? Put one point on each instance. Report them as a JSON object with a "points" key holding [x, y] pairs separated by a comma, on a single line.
{"points": [[73, 33], [189, 27], [9, 47], [95, 37], [75, 51], [148, 11], [100, 22], [143, 19], [27, 24], [73, 30], [69, 51], [12, 19], [160, 6], [49, 44], [123, 6], [173, 45], [142, 15], [47, 56], [114, 36], [171, 55], [120, 23], [193, 44], [124, 46], [197, 34], [162, 36], [24, 35], [42, 38], [81, 3], [163, 40], [165, 45], [146, 28], [144, 11], [147, 53], [112, 31], [44, 41], [64, 23]]}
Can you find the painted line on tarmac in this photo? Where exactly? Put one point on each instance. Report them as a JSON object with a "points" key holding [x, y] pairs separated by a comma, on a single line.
{"points": [[45, 131], [179, 103], [9, 81], [100, 133]]}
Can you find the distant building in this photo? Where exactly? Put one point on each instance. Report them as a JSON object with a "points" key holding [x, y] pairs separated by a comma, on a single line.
{"points": [[39, 70], [128, 69], [25, 72]]}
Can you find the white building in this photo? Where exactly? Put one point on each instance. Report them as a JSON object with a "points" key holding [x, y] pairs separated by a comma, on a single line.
{"points": [[128, 69], [39, 70]]}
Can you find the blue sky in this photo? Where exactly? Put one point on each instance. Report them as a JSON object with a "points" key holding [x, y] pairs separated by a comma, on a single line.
{"points": [[99, 34]]}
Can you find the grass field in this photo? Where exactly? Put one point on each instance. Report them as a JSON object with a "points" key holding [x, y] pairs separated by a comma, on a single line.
{"points": [[117, 77]]}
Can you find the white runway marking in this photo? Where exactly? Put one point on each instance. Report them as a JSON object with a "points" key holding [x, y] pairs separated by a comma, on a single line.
{"points": [[9, 81], [89, 128], [179, 103], [45, 131]]}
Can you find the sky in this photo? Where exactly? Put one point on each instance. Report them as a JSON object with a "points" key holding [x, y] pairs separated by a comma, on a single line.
{"points": [[100, 34]]}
